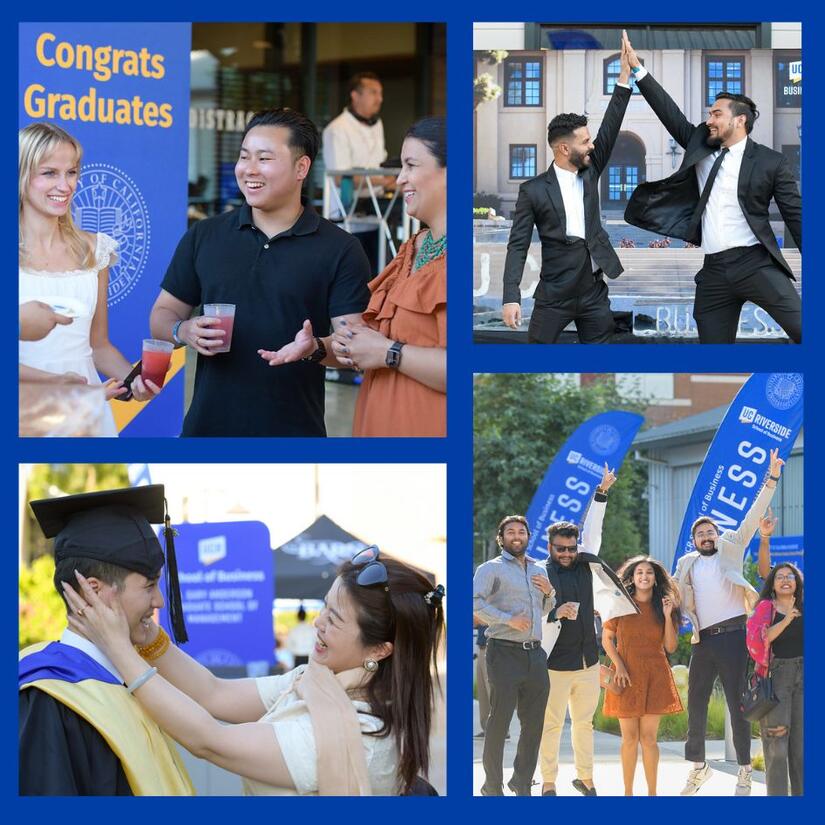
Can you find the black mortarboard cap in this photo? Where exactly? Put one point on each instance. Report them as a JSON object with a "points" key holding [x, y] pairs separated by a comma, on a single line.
{"points": [[114, 526]]}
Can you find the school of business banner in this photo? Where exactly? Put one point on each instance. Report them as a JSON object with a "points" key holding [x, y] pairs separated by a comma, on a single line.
{"points": [[766, 414], [225, 572], [572, 477], [122, 89], [782, 549]]}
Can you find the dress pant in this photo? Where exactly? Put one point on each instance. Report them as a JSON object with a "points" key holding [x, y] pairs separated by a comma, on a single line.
{"points": [[482, 688], [723, 655], [783, 754], [578, 691], [518, 682], [590, 311], [728, 279]]}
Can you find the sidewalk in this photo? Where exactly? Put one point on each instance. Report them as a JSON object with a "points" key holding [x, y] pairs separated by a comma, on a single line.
{"points": [[607, 772]]}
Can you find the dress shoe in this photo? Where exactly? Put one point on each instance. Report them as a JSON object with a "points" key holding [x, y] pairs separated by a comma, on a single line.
{"points": [[583, 789]]}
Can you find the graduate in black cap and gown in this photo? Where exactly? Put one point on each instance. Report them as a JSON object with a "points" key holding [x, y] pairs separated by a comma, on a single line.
{"points": [[81, 731]]}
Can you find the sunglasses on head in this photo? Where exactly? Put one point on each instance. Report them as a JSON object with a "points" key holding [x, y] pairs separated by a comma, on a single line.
{"points": [[373, 571]]}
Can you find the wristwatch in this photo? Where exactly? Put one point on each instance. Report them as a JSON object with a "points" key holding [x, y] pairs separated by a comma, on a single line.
{"points": [[175, 329], [319, 354], [394, 355]]}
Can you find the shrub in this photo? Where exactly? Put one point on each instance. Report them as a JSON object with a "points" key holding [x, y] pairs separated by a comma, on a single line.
{"points": [[482, 200], [42, 613]]}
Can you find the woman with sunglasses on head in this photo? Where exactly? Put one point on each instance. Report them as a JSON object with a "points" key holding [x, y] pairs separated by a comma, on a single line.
{"points": [[355, 721], [775, 643], [638, 645]]}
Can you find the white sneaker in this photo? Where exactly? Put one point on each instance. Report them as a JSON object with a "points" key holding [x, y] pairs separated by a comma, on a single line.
{"points": [[743, 782], [696, 778]]}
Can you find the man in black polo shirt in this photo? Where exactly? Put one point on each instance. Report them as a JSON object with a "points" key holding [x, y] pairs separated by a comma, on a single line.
{"points": [[281, 265]]}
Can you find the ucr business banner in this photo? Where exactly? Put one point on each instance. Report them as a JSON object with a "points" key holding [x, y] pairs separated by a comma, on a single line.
{"points": [[571, 478], [782, 548], [122, 89], [225, 572], [766, 414]]}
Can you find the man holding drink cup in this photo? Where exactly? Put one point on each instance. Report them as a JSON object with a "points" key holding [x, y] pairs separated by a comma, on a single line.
{"points": [[583, 584], [275, 265]]}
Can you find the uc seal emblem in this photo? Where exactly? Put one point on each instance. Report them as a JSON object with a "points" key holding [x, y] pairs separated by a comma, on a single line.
{"points": [[108, 200], [784, 389], [604, 439]]}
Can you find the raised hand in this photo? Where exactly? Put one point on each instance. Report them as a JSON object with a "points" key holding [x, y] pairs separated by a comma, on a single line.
{"points": [[303, 346], [632, 57], [102, 624], [776, 463], [767, 523], [608, 478]]}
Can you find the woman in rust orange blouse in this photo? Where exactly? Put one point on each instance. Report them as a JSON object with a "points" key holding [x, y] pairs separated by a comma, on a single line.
{"points": [[642, 666], [401, 344]]}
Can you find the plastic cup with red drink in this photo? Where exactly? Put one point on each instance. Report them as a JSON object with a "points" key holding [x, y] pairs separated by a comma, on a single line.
{"points": [[225, 313]]}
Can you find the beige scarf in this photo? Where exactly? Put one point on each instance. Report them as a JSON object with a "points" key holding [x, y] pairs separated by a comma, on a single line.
{"points": [[342, 765]]}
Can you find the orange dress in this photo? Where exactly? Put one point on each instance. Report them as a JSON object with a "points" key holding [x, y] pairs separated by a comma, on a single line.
{"points": [[410, 307], [640, 642]]}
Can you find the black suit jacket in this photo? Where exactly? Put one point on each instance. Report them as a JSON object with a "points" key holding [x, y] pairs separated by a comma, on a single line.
{"points": [[667, 206], [540, 204]]}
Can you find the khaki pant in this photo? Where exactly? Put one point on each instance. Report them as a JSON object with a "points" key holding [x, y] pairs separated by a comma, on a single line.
{"points": [[578, 691]]}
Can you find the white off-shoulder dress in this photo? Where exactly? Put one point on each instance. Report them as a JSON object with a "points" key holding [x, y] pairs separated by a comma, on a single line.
{"points": [[68, 348]]}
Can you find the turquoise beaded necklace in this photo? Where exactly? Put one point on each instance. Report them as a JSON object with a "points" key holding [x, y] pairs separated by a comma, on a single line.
{"points": [[430, 250]]}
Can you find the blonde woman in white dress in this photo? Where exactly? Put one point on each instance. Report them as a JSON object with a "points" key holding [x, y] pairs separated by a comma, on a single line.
{"points": [[60, 263]]}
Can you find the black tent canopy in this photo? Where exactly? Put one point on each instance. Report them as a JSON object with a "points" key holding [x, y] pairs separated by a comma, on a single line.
{"points": [[305, 566]]}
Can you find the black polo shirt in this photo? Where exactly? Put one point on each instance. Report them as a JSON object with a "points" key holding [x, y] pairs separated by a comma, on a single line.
{"points": [[312, 270]]}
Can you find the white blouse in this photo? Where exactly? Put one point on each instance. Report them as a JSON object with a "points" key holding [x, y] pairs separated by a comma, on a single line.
{"points": [[292, 726]]}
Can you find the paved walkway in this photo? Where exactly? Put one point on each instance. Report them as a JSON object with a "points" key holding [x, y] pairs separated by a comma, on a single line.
{"points": [[608, 772]]}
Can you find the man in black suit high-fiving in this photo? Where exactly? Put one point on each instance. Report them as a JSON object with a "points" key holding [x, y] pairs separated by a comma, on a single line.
{"points": [[719, 199], [563, 204]]}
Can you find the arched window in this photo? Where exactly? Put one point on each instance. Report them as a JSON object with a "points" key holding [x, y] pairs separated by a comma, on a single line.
{"points": [[612, 66]]}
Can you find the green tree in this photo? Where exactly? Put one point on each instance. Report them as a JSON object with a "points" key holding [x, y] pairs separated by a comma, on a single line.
{"points": [[520, 423], [42, 614], [46, 480]]}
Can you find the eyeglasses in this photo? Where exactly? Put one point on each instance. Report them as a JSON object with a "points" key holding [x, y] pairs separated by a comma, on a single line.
{"points": [[374, 571], [782, 578], [563, 548]]}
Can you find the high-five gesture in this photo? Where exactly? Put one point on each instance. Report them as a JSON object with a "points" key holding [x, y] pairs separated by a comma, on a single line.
{"points": [[629, 52]]}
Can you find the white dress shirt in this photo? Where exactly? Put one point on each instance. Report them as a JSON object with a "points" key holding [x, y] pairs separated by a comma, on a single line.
{"points": [[572, 193], [72, 639], [724, 225]]}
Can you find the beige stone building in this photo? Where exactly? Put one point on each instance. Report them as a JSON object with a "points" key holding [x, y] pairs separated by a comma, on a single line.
{"points": [[551, 68]]}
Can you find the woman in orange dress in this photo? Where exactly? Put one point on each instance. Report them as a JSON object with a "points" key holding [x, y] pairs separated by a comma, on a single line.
{"points": [[401, 343], [642, 666]]}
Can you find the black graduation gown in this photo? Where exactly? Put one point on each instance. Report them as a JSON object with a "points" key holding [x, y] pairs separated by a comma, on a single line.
{"points": [[61, 754]]}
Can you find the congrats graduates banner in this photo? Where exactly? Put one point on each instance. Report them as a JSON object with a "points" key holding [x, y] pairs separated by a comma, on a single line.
{"points": [[122, 89], [571, 478], [766, 414]]}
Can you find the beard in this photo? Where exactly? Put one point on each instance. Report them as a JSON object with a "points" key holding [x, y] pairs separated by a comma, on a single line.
{"points": [[516, 552], [707, 551], [581, 160]]}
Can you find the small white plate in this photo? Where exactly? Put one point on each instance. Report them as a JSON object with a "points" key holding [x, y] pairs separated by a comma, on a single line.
{"points": [[70, 307]]}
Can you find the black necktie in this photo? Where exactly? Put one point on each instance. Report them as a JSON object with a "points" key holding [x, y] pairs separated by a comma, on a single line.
{"points": [[693, 228]]}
